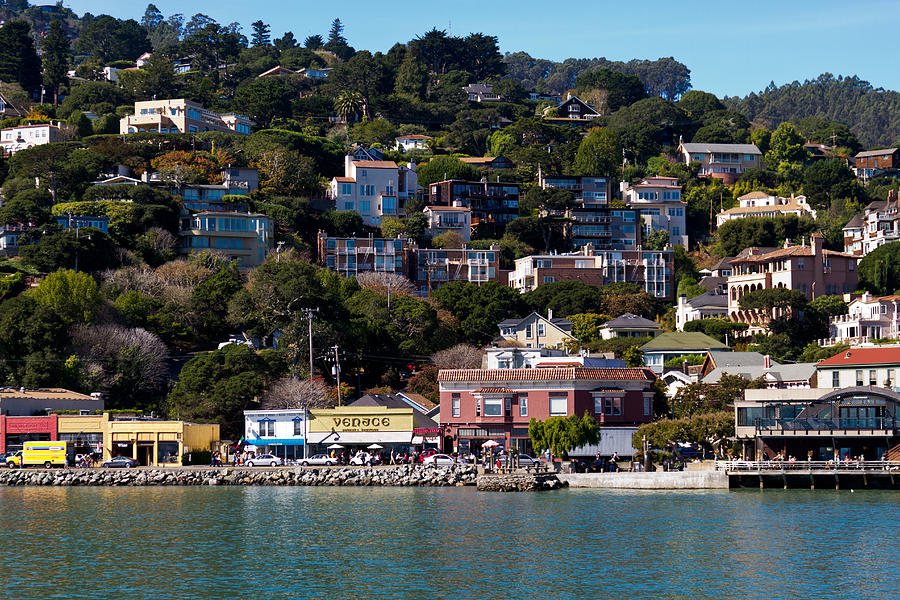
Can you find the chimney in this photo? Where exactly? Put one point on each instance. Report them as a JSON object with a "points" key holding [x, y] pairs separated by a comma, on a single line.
{"points": [[767, 362], [816, 243], [684, 366], [682, 299], [549, 314]]}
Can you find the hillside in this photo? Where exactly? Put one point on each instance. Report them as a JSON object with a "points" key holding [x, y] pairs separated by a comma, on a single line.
{"points": [[873, 114]]}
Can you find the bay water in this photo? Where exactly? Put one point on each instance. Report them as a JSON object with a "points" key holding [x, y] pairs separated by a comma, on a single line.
{"points": [[411, 543]]}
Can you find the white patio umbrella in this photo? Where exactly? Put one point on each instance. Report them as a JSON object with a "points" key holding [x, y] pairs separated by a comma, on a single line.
{"points": [[490, 444], [335, 447], [374, 447]]}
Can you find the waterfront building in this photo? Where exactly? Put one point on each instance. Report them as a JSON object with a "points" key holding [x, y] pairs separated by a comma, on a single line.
{"points": [[478, 405], [811, 269], [79, 221], [281, 432], [818, 424], [358, 426], [181, 116], [667, 346], [433, 268], [658, 199], [26, 402], [877, 366]]}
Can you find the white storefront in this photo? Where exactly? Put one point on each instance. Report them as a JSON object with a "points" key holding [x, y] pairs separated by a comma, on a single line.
{"points": [[278, 432]]}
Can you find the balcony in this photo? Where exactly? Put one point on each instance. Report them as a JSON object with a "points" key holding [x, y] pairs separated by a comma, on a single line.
{"points": [[811, 426]]}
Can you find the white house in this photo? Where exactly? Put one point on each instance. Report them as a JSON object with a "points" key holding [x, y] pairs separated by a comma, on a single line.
{"points": [[761, 204], [279, 432], [405, 143], [859, 367], [13, 139], [659, 201], [705, 306], [867, 319], [629, 325], [444, 219], [374, 188]]}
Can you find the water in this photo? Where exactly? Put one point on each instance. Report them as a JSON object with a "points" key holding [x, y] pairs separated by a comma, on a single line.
{"points": [[337, 543]]}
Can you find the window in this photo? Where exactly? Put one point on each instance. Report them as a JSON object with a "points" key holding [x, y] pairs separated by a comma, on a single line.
{"points": [[698, 157], [859, 377], [298, 427], [549, 279], [801, 264], [348, 206], [749, 158], [648, 406], [835, 379], [676, 231], [873, 378], [612, 406], [528, 331], [493, 407], [523, 405], [455, 405], [267, 428], [598, 405], [540, 327], [365, 206], [346, 189], [559, 403]]}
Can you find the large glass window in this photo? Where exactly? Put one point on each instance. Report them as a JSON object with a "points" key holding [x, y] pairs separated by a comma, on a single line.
{"points": [[454, 403], [493, 407], [523, 405], [559, 403], [266, 428], [298, 427]]}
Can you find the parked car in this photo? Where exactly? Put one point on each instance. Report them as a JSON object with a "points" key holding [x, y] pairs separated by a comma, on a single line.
{"points": [[361, 459], [265, 460], [425, 454], [438, 460], [524, 460], [319, 459], [119, 462]]}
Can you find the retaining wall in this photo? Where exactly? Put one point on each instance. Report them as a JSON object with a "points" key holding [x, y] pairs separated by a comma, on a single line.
{"points": [[655, 480]]}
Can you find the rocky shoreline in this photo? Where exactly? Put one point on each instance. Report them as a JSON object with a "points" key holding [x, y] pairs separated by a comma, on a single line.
{"points": [[401, 476]]}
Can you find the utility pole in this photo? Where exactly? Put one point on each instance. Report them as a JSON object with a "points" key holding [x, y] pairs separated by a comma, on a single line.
{"points": [[309, 317], [337, 372]]}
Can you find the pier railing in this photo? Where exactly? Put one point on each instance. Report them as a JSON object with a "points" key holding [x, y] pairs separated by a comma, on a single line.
{"points": [[807, 465]]}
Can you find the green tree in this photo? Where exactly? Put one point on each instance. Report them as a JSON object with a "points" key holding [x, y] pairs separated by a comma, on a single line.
{"points": [[600, 153], [609, 90], [879, 270], [826, 180], [80, 123], [314, 42], [286, 42], [216, 387], [585, 326], [264, 99], [563, 434], [479, 308], [155, 78], [74, 297], [349, 103], [657, 239], [440, 168], [786, 146], [550, 206], [109, 39], [711, 431], [19, 61], [688, 287], [261, 34], [633, 357], [698, 104], [32, 337], [361, 74], [55, 59]]}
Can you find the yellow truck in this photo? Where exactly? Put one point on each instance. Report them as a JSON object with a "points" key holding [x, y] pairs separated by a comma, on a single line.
{"points": [[47, 454]]}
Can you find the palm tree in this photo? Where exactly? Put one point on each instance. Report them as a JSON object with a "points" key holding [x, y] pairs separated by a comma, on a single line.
{"points": [[348, 103]]}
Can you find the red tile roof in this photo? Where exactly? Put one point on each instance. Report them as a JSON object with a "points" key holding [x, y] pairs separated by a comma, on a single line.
{"points": [[494, 390], [863, 356], [374, 164], [544, 374]]}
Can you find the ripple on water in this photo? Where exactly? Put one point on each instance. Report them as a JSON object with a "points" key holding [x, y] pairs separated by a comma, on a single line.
{"points": [[271, 542]]}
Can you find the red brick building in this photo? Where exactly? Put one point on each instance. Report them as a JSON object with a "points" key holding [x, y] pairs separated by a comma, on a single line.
{"points": [[478, 405], [14, 431]]}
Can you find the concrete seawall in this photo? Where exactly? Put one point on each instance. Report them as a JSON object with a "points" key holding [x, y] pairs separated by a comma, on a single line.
{"points": [[656, 480]]}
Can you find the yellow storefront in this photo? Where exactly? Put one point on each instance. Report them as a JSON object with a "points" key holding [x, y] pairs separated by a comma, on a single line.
{"points": [[352, 426], [151, 443]]}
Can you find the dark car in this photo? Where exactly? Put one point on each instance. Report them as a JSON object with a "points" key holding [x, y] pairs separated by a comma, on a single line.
{"points": [[119, 462]]}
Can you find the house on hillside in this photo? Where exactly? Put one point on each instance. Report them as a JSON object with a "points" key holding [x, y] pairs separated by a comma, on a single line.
{"points": [[629, 325], [861, 367], [537, 331], [722, 161], [709, 305], [415, 141], [482, 92], [870, 163], [667, 346], [878, 225], [661, 206], [761, 204]]}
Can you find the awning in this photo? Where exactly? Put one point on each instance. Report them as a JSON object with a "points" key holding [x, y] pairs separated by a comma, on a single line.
{"points": [[360, 437], [260, 442]]}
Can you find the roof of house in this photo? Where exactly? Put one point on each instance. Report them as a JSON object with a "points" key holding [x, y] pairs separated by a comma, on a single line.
{"points": [[709, 299], [374, 164], [791, 251], [447, 208], [855, 223], [863, 356], [757, 195], [420, 421], [735, 148], [43, 394], [419, 399], [564, 324], [414, 136], [725, 263], [631, 320], [479, 88], [881, 152], [790, 205], [713, 284], [477, 160], [683, 341], [279, 70], [545, 374], [738, 359], [777, 372], [344, 179]]}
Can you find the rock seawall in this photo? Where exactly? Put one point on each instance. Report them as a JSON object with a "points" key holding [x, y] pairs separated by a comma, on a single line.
{"points": [[402, 476], [518, 482]]}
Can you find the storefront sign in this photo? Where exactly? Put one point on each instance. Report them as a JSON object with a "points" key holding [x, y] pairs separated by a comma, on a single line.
{"points": [[360, 423]]}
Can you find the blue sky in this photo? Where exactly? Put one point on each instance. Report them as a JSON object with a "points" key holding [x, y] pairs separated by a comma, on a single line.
{"points": [[731, 48]]}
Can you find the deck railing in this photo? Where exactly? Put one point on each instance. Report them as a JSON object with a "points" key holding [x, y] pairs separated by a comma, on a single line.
{"points": [[807, 465]]}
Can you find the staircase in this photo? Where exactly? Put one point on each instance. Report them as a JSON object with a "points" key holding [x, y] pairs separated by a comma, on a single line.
{"points": [[893, 454]]}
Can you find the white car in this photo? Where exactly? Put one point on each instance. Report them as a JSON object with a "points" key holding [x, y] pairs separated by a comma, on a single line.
{"points": [[361, 459], [438, 460], [265, 460], [318, 460], [524, 460]]}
